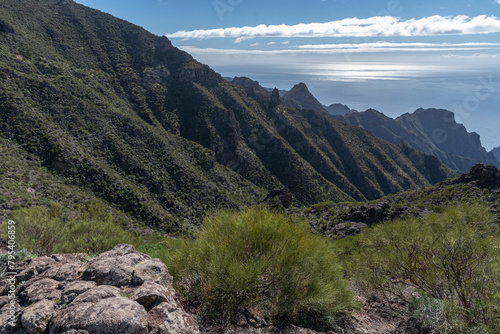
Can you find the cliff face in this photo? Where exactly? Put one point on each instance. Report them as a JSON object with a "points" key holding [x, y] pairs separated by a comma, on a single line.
{"points": [[496, 152], [108, 108], [432, 131]]}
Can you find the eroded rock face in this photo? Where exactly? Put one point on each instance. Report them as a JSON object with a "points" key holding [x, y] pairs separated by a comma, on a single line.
{"points": [[120, 291], [482, 176]]}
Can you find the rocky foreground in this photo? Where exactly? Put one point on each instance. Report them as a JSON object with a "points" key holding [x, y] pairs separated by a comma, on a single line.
{"points": [[120, 291], [123, 291]]}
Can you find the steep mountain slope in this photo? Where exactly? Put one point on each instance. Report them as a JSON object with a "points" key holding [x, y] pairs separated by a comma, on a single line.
{"points": [[125, 116], [71, 96], [433, 131], [496, 152]]}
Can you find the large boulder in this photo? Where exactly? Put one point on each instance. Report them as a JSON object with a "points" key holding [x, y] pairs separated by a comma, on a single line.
{"points": [[36, 317], [120, 291]]}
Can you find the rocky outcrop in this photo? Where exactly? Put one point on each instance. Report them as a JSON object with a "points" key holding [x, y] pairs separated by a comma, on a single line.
{"points": [[275, 98], [120, 291], [253, 88], [340, 221], [482, 176], [279, 199]]}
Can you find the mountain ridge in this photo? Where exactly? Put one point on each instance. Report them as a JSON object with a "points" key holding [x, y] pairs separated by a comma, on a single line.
{"points": [[432, 131], [140, 124]]}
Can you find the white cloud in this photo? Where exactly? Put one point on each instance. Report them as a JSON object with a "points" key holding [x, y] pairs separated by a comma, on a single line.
{"points": [[400, 46], [354, 27], [473, 56], [288, 42], [327, 49], [271, 43]]}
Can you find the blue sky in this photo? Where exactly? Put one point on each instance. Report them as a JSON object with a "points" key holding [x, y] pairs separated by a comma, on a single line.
{"points": [[392, 55]]}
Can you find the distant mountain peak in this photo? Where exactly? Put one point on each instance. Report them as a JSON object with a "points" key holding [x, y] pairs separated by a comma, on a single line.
{"points": [[434, 131], [301, 98], [339, 109], [253, 87], [496, 152], [299, 90], [275, 98], [436, 114]]}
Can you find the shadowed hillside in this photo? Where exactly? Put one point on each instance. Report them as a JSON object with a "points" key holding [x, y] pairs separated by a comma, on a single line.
{"points": [[106, 107], [433, 131]]}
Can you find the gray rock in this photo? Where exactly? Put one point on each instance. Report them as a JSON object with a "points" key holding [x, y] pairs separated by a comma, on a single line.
{"points": [[481, 175], [68, 271], [8, 315], [347, 229], [151, 270], [123, 266], [45, 288], [108, 316], [164, 319], [36, 317], [33, 267], [4, 285], [69, 318], [96, 294], [150, 294], [4, 300], [73, 289], [120, 291]]}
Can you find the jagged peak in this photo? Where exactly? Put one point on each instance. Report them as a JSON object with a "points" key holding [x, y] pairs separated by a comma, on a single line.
{"points": [[275, 97], [300, 87], [300, 92]]}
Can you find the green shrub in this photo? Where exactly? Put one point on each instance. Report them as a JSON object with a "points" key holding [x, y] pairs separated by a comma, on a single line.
{"points": [[92, 236], [93, 231], [162, 250], [37, 230], [452, 256], [259, 260], [43, 230]]}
